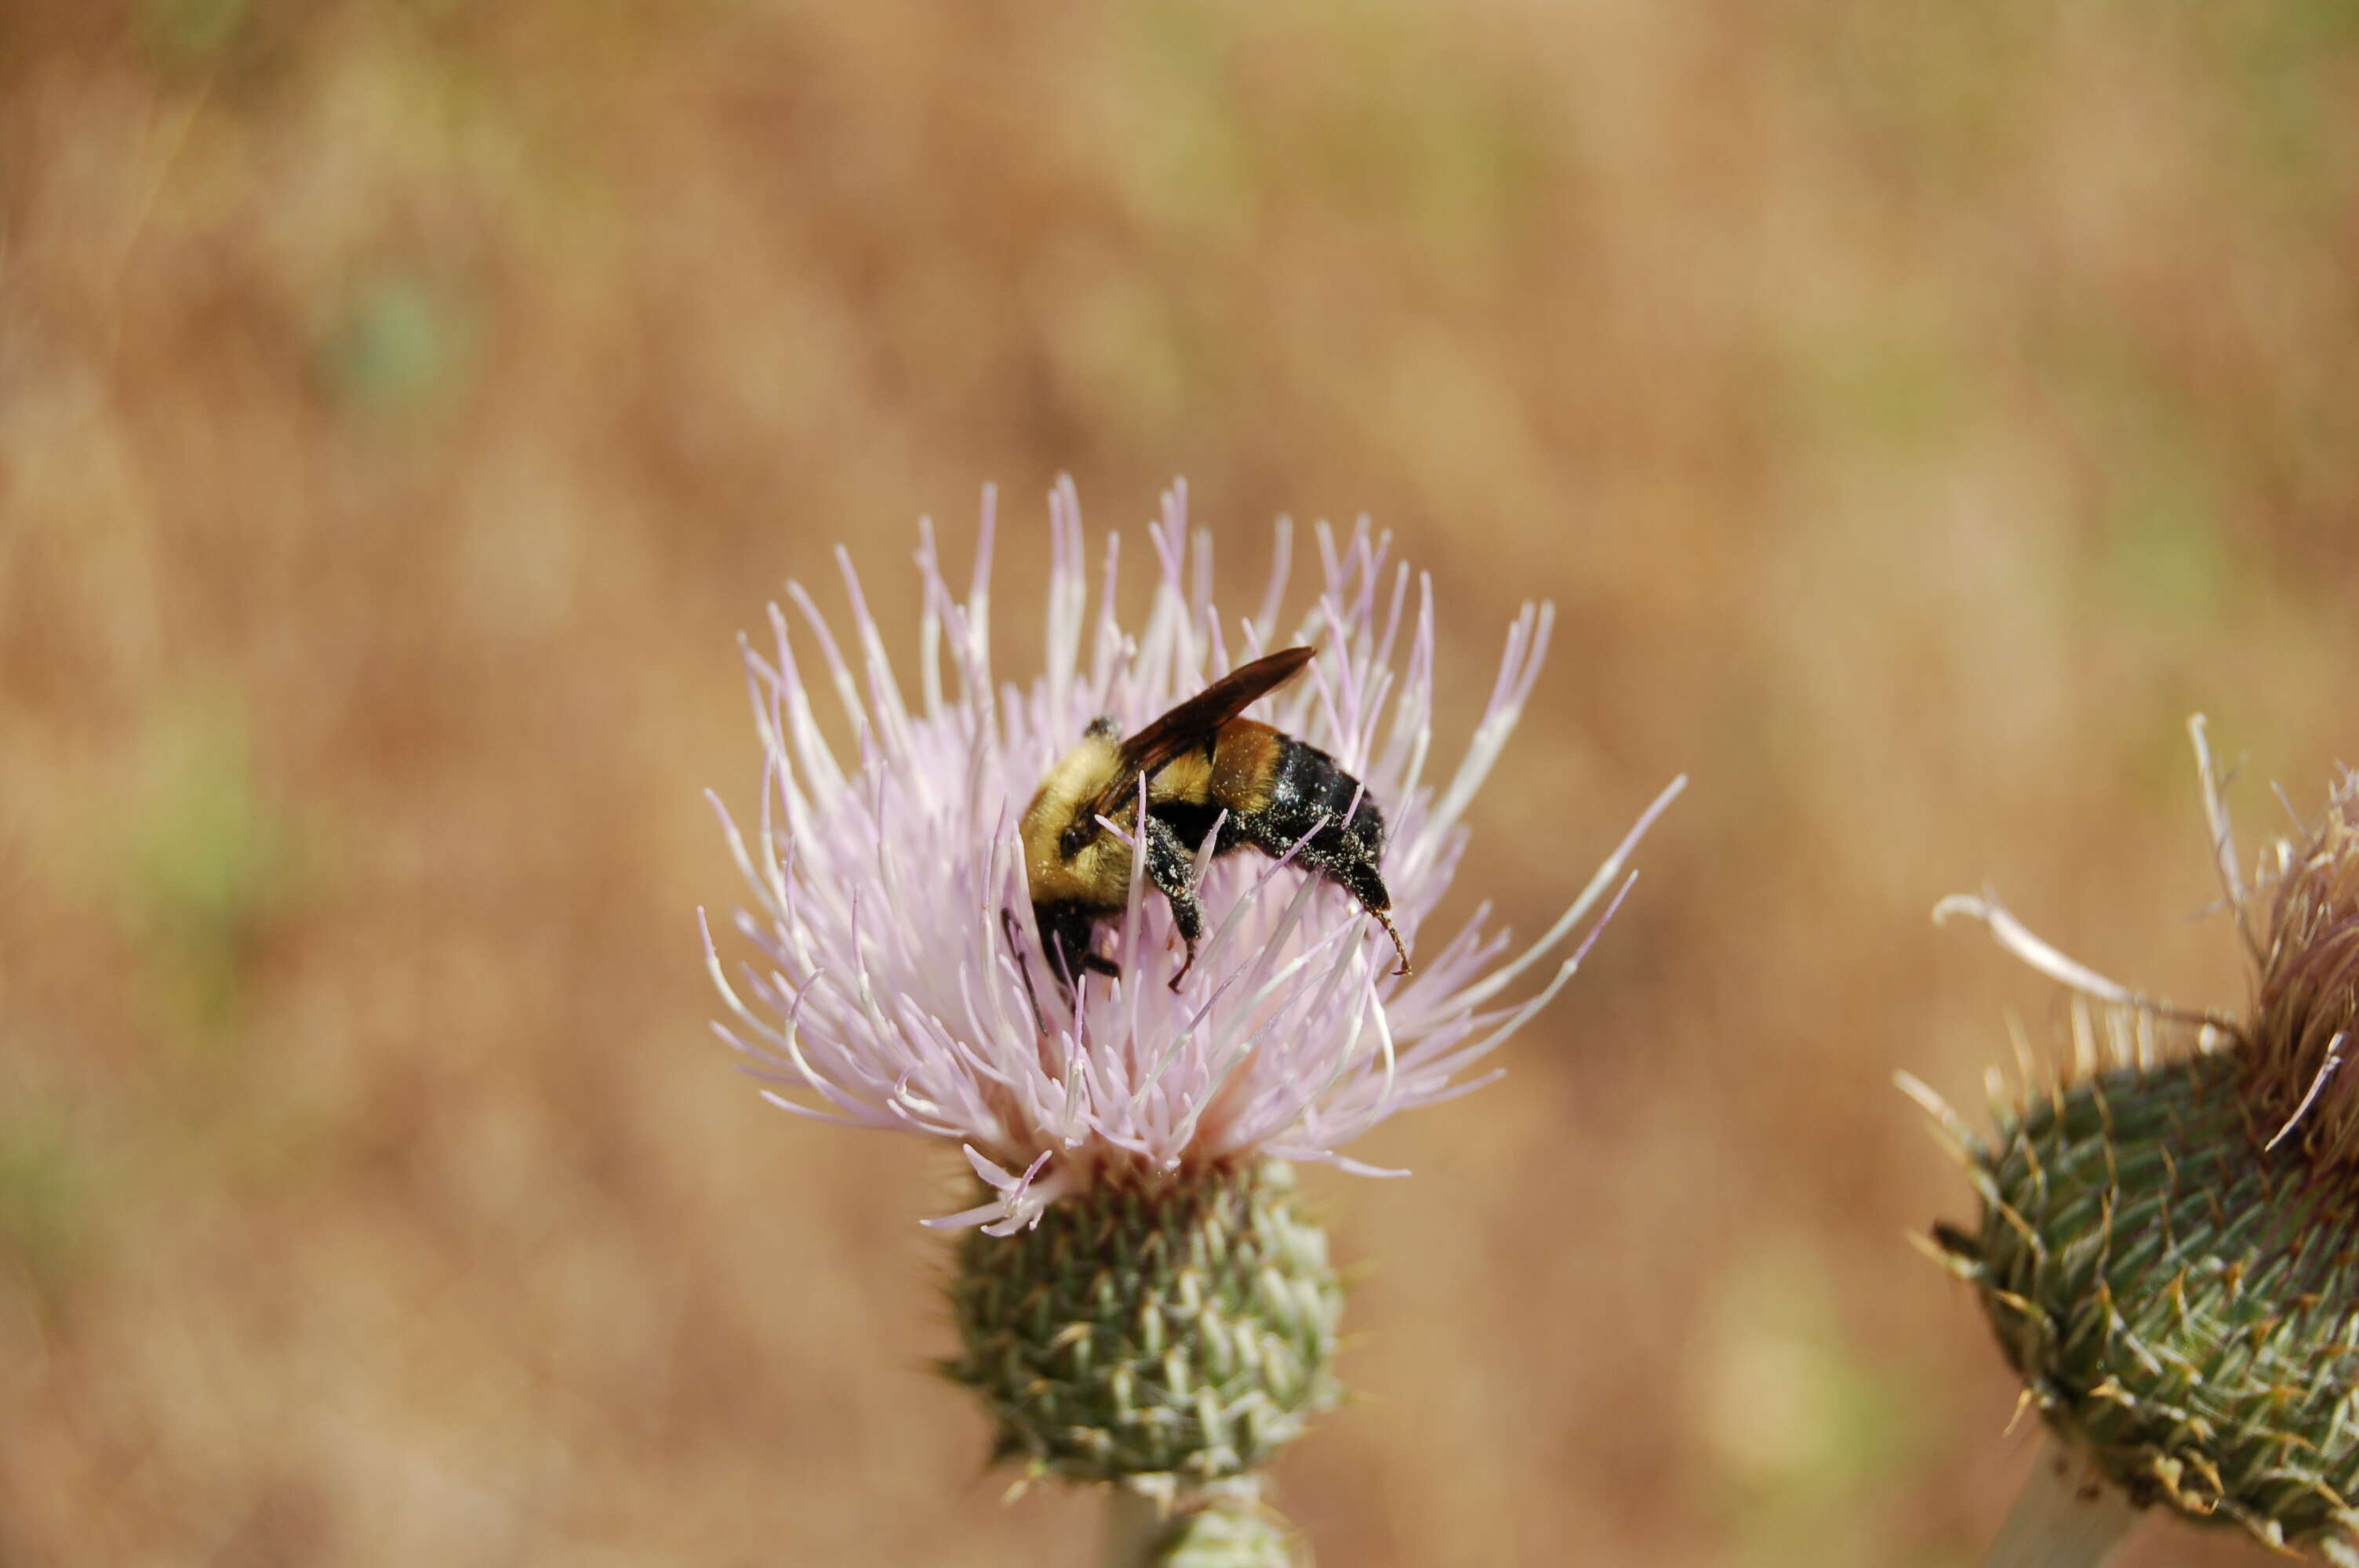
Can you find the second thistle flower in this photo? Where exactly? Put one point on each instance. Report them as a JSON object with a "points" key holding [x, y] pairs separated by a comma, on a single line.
{"points": [[2168, 1246]]}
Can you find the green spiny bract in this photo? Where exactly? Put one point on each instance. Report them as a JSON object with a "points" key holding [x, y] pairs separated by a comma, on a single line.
{"points": [[1179, 1326], [2181, 1302]]}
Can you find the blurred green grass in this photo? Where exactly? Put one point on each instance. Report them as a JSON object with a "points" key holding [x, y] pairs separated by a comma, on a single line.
{"points": [[209, 863]]}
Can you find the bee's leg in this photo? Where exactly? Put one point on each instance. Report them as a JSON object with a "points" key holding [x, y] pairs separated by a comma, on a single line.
{"points": [[1385, 919], [1065, 933], [1189, 915], [1171, 866], [1065, 957], [1345, 859], [1361, 880], [1014, 931]]}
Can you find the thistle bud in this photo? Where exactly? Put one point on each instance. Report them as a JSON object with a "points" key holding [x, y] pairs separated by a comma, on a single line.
{"points": [[1179, 1327], [2168, 1245]]}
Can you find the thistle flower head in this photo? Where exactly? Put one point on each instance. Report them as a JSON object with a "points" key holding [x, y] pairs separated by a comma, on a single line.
{"points": [[2169, 1250], [899, 981]]}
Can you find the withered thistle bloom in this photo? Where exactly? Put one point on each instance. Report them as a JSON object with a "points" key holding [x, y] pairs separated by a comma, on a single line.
{"points": [[1138, 1298], [2169, 1248]]}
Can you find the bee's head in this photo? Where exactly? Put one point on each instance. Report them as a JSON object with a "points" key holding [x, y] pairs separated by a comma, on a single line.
{"points": [[1077, 833], [1061, 824]]}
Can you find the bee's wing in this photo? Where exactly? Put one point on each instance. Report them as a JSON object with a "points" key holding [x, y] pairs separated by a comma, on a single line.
{"points": [[1193, 720]]}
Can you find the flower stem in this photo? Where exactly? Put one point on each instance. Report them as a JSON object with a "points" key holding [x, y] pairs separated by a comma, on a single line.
{"points": [[2066, 1517], [1135, 1523]]}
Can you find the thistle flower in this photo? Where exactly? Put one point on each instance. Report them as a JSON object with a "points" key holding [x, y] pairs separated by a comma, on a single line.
{"points": [[1137, 1294], [2169, 1249]]}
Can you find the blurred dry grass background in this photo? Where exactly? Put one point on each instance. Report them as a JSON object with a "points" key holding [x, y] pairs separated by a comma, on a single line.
{"points": [[1915, 409]]}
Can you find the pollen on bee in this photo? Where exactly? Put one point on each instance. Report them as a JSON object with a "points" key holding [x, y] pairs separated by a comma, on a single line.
{"points": [[1246, 763]]}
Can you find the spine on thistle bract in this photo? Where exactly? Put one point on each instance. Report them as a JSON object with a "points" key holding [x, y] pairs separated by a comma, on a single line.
{"points": [[2168, 1245]]}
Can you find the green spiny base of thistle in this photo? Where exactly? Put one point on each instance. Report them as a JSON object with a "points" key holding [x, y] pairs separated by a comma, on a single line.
{"points": [[2183, 1305], [1178, 1326]]}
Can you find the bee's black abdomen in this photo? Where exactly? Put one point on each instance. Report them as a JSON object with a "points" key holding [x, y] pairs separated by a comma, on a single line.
{"points": [[1307, 787], [1309, 805]]}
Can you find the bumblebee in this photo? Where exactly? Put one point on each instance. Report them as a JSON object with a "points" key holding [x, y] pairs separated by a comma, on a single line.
{"points": [[1207, 770]]}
